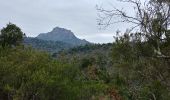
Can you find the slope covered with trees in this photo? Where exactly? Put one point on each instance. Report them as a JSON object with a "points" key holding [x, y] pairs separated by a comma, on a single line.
{"points": [[27, 74], [31, 75], [134, 67], [44, 45]]}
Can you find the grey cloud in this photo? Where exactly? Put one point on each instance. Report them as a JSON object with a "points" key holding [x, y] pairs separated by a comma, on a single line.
{"points": [[38, 16]]}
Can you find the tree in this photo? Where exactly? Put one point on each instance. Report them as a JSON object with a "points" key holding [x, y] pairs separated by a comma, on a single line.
{"points": [[152, 18], [142, 58], [11, 35]]}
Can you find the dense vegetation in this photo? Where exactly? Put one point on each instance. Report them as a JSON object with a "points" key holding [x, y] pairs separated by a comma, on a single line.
{"points": [[123, 72], [134, 67], [28, 74], [48, 46], [33, 75]]}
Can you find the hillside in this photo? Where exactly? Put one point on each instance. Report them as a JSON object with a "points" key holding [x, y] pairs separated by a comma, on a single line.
{"points": [[87, 50], [44, 45], [124, 70]]}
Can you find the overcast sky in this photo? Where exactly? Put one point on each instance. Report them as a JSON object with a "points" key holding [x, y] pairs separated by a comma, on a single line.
{"points": [[40, 16]]}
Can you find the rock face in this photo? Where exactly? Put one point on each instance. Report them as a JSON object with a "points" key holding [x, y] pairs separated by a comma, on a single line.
{"points": [[63, 35]]}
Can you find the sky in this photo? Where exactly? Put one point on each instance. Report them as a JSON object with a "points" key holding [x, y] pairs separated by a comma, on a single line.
{"points": [[41, 16]]}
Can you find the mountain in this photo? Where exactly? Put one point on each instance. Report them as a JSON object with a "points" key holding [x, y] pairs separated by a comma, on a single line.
{"points": [[56, 40], [44, 45], [62, 35]]}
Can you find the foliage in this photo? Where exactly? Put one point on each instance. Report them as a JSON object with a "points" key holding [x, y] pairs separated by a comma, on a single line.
{"points": [[141, 59], [145, 76], [134, 67], [132, 72], [28, 74], [49, 46], [11, 35]]}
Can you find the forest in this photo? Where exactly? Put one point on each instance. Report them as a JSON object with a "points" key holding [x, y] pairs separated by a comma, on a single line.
{"points": [[134, 67]]}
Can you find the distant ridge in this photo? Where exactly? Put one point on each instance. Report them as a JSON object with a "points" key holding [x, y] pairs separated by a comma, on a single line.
{"points": [[62, 35], [49, 46]]}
